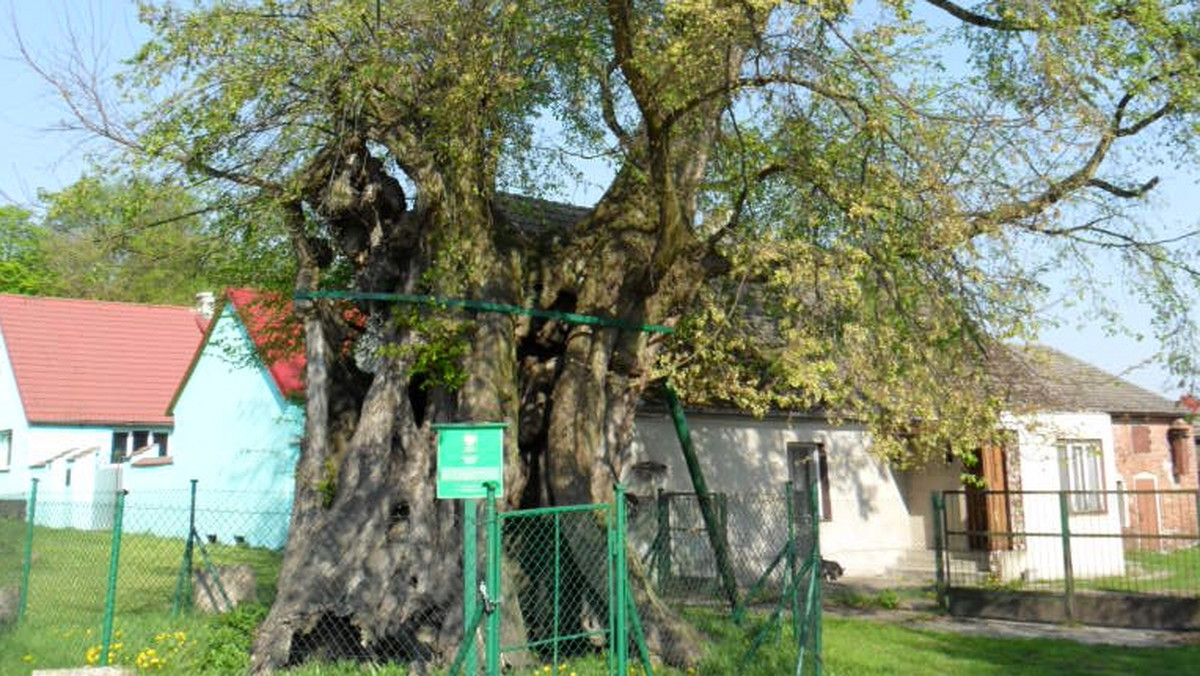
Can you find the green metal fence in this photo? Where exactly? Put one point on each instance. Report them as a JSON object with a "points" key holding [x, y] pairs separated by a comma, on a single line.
{"points": [[772, 559], [1104, 557], [127, 580], [556, 593], [758, 530], [115, 581]]}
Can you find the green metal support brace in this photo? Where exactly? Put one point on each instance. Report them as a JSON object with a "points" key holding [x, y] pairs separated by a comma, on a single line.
{"points": [[711, 524]]}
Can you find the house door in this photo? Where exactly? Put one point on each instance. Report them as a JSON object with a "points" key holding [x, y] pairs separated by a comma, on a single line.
{"points": [[1146, 517], [987, 507]]}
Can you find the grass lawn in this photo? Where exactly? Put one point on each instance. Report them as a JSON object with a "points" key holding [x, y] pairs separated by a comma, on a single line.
{"points": [[1173, 573], [68, 586]]}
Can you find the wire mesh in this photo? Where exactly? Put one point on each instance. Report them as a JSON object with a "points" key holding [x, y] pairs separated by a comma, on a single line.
{"points": [[110, 579], [674, 544], [1128, 542], [557, 574]]}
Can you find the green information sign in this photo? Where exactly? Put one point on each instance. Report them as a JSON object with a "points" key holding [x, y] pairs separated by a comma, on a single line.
{"points": [[469, 454]]}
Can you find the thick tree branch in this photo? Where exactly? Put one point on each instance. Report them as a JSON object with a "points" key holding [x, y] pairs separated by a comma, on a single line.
{"points": [[608, 108], [982, 21]]}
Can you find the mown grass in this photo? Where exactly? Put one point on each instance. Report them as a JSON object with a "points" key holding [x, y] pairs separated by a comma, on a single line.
{"points": [[68, 586], [1171, 573]]}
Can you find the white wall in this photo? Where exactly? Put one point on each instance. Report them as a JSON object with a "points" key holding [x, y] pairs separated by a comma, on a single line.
{"points": [[1038, 436], [870, 526], [14, 479]]}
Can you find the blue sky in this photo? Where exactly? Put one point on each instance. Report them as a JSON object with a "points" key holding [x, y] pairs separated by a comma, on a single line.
{"points": [[37, 156]]}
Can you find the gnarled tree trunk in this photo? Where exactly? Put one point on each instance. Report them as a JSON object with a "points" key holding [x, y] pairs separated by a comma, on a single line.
{"points": [[373, 566]]}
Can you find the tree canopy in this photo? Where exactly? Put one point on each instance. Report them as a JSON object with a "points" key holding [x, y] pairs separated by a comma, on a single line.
{"points": [[127, 237], [837, 205], [23, 266]]}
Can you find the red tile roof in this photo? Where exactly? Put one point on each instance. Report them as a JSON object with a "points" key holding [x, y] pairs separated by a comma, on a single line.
{"points": [[94, 362], [277, 335]]}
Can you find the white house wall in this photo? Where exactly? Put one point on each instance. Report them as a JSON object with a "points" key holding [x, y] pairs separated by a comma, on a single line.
{"points": [[870, 526], [14, 479], [1038, 436]]}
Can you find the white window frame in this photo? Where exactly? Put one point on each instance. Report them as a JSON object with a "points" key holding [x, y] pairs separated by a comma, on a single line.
{"points": [[155, 437], [805, 458], [1081, 466], [6, 445]]}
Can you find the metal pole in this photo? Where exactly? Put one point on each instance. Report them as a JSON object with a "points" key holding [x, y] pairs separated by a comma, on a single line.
{"points": [[1064, 510], [557, 582], [183, 595], [492, 663], [470, 582], [620, 630], [939, 547], [110, 600], [27, 562], [790, 581], [711, 526], [814, 609]]}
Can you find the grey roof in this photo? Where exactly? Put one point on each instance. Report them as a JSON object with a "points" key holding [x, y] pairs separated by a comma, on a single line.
{"points": [[538, 217], [1043, 378]]}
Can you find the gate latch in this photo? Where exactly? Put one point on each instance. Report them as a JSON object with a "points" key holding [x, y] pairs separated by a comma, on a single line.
{"points": [[489, 606]]}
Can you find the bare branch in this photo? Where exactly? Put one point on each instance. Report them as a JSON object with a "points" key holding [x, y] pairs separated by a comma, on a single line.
{"points": [[975, 19], [1127, 193]]}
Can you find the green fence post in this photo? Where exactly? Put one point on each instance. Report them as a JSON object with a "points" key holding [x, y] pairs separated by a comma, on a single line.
{"points": [[790, 581], [492, 642], [814, 609], [27, 562], [183, 585], [1064, 511], [110, 600], [621, 587], [939, 548], [470, 581]]}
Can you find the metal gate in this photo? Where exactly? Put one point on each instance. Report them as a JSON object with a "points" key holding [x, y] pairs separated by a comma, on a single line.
{"points": [[555, 591]]}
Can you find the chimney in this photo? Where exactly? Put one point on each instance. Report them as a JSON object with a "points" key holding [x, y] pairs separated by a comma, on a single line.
{"points": [[205, 302]]}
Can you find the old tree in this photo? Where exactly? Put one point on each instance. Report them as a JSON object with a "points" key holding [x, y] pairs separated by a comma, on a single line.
{"points": [[835, 204]]}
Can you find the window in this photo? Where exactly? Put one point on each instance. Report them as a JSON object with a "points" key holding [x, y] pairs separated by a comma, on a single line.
{"points": [[1082, 473], [125, 443], [120, 447], [160, 438], [808, 464], [5, 450]]}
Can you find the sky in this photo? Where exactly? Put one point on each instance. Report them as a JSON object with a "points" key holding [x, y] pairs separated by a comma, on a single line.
{"points": [[39, 156]]}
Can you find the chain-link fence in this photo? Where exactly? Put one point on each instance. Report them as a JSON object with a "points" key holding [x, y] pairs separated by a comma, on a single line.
{"points": [[105, 581], [739, 554], [1116, 551], [127, 580], [753, 537]]}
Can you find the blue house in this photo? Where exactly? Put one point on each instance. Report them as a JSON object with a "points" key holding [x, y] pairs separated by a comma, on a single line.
{"points": [[238, 416]]}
